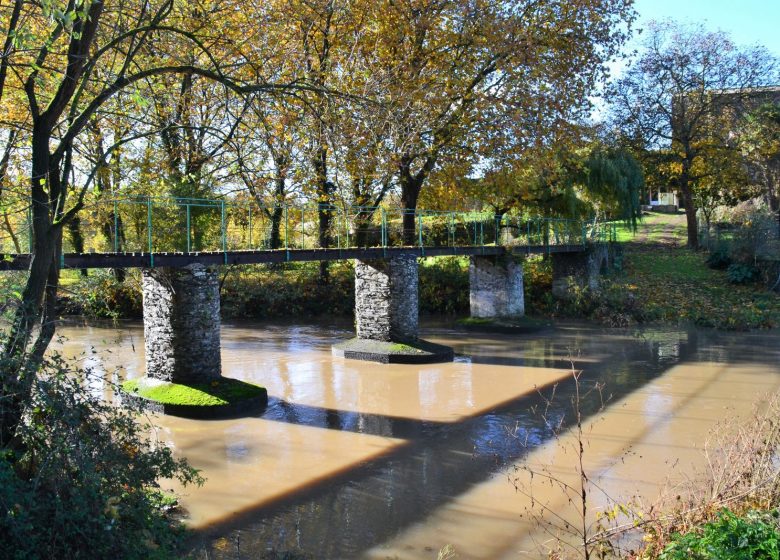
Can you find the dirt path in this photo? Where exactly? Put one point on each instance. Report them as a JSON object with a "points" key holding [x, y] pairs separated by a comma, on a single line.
{"points": [[663, 229]]}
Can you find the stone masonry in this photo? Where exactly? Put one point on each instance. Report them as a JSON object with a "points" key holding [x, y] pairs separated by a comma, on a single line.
{"points": [[386, 306], [496, 287], [181, 324], [582, 269]]}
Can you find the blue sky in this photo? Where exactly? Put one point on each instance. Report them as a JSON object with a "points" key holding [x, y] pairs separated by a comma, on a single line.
{"points": [[748, 22]]}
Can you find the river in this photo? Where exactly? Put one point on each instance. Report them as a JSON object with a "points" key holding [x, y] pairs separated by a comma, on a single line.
{"points": [[361, 460]]}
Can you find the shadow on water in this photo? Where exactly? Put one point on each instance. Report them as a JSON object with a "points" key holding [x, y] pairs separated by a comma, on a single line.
{"points": [[346, 514]]}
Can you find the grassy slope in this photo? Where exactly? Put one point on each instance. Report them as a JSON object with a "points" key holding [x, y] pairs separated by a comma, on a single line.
{"points": [[674, 284]]}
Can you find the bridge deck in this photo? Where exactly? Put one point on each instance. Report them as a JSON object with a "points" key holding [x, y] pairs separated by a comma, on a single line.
{"points": [[149, 260]]}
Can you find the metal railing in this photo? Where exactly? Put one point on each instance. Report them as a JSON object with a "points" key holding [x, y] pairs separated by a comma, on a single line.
{"points": [[755, 241], [151, 225]]}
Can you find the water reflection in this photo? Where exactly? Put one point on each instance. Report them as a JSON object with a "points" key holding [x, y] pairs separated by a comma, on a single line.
{"points": [[351, 455]]}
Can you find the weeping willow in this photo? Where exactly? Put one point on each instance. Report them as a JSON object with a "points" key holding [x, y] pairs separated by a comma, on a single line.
{"points": [[604, 183], [614, 180]]}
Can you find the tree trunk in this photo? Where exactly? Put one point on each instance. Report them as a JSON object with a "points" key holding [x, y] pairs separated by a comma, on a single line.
{"points": [[324, 212], [362, 228], [690, 207], [47, 240], [108, 231], [10, 230], [690, 216], [275, 239], [77, 238], [410, 192]]}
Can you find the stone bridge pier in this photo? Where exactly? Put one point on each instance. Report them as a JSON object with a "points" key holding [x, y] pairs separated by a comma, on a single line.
{"points": [[181, 324], [581, 269], [386, 300], [387, 315], [496, 287]]}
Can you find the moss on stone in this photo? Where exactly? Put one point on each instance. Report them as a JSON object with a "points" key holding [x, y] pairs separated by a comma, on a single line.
{"points": [[217, 393], [398, 347], [418, 352]]}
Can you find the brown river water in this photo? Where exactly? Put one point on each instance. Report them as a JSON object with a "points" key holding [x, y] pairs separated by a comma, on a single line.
{"points": [[361, 460]]}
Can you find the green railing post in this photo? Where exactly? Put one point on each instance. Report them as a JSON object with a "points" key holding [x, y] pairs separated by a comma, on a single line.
{"points": [[547, 235], [497, 220], [224, 232], [116, 228], [251, 245], [287, 231], [383, 227], [346, 228], [149, 230], [420, 229], [189, 234]]}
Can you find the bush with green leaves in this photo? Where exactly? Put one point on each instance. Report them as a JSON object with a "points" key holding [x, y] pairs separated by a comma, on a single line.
{"points": [[719, 259], [753, 536], [102, 295], [739, 273], [81, 478], [444, 285]]}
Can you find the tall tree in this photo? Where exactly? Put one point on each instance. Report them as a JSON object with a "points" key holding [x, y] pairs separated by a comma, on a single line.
{"points": [[464, 72], [269, 156], [684, 80], [760, 143]]}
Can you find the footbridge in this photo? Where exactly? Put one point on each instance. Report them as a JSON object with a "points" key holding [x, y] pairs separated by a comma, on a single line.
{"points": [[179, 243]]}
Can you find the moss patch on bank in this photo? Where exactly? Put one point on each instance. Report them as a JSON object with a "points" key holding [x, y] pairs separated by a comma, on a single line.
{"points": [[222, 392]]}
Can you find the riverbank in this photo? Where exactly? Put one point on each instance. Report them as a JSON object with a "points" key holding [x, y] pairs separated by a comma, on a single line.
{"points": [[658, 280]]}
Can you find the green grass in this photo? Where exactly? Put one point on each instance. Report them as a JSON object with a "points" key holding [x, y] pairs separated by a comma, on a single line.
{"points": [[217, 393], [674, 284], [654, 227], [661, 281]]}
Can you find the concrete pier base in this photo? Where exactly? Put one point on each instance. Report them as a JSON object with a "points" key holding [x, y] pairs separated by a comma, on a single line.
{"points": [[578, 270], [182, 324], [496, 288]]}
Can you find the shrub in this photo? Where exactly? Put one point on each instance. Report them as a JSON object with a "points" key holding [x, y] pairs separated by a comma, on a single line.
{"points": [[739, 273], [537, 285], [751, 537], [101, 295], [719, 259], [267, 291], [81, 481], [444, 285]]}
